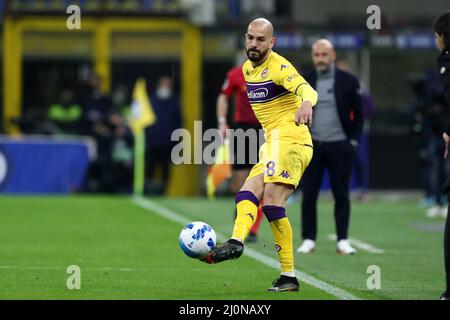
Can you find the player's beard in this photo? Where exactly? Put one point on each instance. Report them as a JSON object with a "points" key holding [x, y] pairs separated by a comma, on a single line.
{"points": [[322, 66], [255, 55]]}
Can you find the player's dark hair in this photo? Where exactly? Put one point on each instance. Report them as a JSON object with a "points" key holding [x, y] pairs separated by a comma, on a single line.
{"points": [[441, 25]]}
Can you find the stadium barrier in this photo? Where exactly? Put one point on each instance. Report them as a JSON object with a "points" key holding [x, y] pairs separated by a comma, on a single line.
{"points": [[44, 165]]}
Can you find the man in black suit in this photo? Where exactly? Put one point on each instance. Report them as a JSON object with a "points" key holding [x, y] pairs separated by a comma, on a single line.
{"points": [[336, 128], [441, 27]]}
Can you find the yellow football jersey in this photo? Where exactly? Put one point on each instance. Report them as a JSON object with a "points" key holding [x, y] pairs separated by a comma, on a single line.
{"points": [[275, 91]]}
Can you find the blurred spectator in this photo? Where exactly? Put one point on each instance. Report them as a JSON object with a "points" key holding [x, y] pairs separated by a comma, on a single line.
{"points": [[441, 28], [335, 131], [97, 108], [433, 118], [34, 121], [122, 149], [439, 119], [66, 113], [121, 100], [422, 130], [159, 145], [361, 162]]}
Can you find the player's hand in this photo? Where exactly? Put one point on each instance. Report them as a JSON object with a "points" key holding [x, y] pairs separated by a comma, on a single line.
{"points": [[446, 138], [355, 144], [304, 114], [223, 127]]}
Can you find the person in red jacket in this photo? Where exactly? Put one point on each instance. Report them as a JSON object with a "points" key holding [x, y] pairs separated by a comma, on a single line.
{"points": [[244, 119]]}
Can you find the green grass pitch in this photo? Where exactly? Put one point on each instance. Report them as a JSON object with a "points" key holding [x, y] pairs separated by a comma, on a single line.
{"points": [[125, 251]]}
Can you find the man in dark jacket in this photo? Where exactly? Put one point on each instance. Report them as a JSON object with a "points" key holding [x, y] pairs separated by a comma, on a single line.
{"points": [[337, 126], [166, 106], [441, 27]]}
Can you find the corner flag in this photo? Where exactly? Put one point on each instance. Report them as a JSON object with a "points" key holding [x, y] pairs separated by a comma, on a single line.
{"points": [[142, 116]]}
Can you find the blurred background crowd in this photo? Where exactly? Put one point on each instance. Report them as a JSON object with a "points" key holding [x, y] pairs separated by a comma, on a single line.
{"points": [[66, 92]]}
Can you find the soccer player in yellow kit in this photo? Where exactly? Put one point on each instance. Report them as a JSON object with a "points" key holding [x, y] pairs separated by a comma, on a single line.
{"points": [[282, 101]]}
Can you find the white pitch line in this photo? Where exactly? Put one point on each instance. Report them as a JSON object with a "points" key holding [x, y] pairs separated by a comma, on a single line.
{"points": [[32, 267], [63, 268], [359, 245], [171, 215]]}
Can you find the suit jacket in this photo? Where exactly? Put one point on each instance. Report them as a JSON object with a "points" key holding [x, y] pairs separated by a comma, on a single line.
{"points": [[348, 101], [444, 70]]}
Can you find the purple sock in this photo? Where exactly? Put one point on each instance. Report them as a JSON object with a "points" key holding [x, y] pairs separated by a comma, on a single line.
{"points": [[246, 195], [274, 212]]}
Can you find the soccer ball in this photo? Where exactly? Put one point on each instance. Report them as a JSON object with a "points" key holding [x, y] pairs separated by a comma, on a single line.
{"points": [[197, 239]]}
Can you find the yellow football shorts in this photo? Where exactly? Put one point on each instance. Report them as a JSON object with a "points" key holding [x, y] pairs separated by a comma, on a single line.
{"points": [[282, 161]]}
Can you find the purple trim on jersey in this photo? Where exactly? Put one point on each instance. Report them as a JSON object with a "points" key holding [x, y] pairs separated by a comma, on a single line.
{"points": [[274, 212], [246, 195], [264, 91]]}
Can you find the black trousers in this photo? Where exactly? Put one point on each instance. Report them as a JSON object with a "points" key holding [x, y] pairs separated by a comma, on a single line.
{"points": [[158, 157], [337, 158]]}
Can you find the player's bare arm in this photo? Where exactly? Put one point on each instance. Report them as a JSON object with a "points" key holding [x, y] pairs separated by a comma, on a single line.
{"points": [[222, 110]]}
